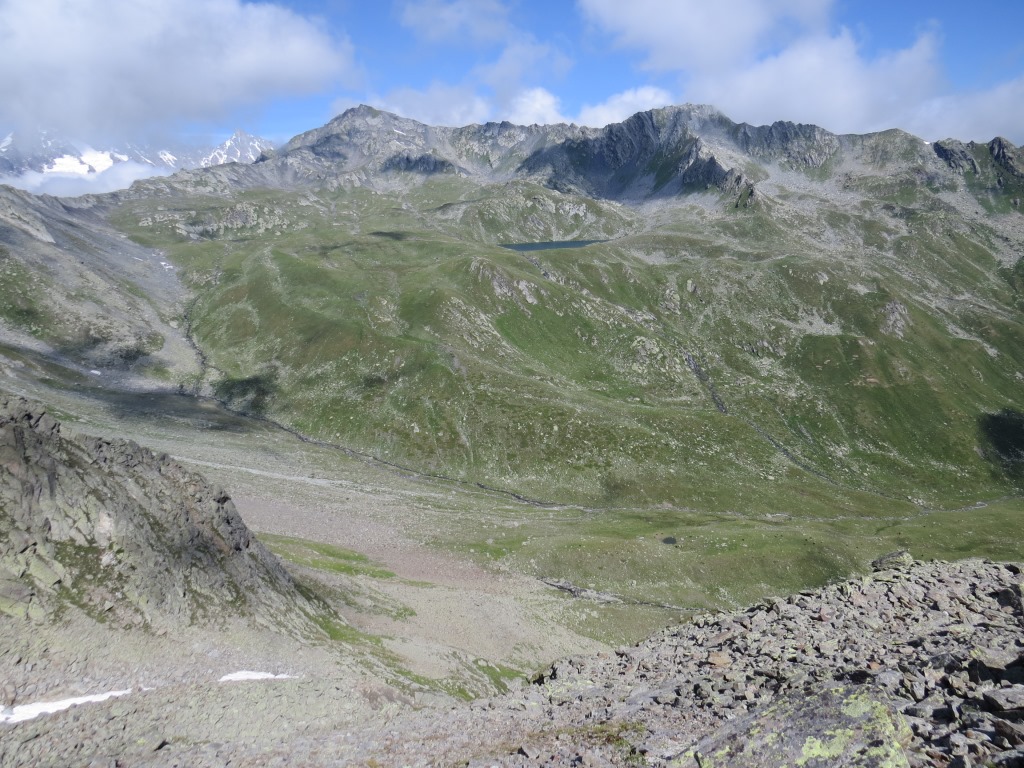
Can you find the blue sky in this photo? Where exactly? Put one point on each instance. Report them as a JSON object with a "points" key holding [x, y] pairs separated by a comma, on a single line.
{"points": [[101, 70]]}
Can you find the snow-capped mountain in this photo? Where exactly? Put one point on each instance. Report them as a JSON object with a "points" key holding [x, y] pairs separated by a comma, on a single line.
{"points": [[47, 154], [240, 148]]}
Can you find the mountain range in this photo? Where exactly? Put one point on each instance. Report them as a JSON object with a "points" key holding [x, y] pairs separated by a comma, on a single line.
{"points": [[47, 153]]}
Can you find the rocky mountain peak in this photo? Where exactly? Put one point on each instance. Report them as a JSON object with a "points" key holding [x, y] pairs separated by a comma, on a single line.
{"points": [[241, 147]]}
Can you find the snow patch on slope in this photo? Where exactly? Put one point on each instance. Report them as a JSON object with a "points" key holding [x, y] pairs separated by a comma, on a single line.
{"points": [[248, 675], [24, 712]]}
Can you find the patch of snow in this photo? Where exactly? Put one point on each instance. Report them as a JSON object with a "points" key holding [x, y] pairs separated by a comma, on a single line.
{"points": [[94, 372], [248, 675], [6, 142], [217, 157], [67, 164], [24, 712], [167, 158], [97, 161]]}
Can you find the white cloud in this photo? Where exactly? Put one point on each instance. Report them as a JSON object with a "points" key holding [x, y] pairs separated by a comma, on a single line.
{"points": [[474, 21], [439, 104], [765, 60], [824, 80], [500, 89], [977, 115], [117, 176], [442, 104], [617, 108], [534, 106], [686, 34], [110, 70], [522, 60]]}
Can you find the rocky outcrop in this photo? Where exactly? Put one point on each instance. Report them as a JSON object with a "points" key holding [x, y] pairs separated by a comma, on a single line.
{"points": [[122, 533], [425, 164], [799, 144], [956, 156], [1008, 158]]}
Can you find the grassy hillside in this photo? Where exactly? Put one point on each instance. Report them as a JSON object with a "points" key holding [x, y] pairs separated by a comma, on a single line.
{"points": [[843, 349]]}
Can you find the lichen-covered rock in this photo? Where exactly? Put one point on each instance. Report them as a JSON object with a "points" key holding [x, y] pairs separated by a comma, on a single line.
{"points": [[899, 559], [838, 726]]}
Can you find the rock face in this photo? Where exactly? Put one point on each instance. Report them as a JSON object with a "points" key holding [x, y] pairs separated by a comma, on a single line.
{"points": [[122, 533], [802, 145], [956, 156]]}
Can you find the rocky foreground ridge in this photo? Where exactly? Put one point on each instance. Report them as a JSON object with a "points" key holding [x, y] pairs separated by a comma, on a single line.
{"points": [[919, 664]]}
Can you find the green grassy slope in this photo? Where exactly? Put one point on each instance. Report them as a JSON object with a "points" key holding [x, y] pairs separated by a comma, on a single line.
{"points": [[799, 356]]}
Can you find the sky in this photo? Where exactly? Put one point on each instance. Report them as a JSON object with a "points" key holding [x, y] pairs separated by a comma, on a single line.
{"points": [[150, 70]]}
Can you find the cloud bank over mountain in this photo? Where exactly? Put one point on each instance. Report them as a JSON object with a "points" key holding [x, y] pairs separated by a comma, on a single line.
{"points": [[118, 176], [113, 70]]}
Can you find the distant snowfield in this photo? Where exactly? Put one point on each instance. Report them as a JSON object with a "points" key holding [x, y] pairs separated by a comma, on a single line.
{"points": [[90, 161], [24, 712]]}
